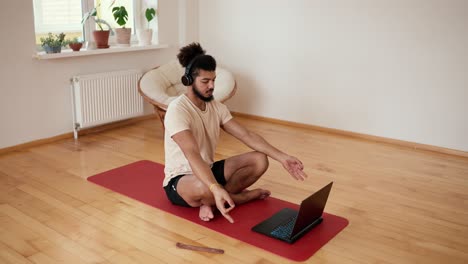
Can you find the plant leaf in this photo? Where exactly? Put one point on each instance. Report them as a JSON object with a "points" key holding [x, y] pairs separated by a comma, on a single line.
{"points": [[89, 14], [120, 15], [150, 14]]}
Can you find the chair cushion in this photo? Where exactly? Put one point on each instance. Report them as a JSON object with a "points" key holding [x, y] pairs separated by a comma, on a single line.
{"points": [[163, 83]]}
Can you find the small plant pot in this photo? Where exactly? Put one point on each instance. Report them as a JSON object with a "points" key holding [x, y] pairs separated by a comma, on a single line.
{"points": [[75, 46], [52, 49], [102, 38], [123, 36], [145, 36]]}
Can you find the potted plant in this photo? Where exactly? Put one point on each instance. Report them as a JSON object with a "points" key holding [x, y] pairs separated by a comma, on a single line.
{"points": [[53, 43], [101, 36], [75, 44], [146, 35], [121, 17]]}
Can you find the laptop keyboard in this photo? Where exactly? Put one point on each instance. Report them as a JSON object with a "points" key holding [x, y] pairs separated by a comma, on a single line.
{"points": [[284, 230]]}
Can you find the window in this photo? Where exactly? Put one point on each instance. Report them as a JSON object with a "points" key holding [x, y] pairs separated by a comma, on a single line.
{"points": [[65, 16], [58, 16]]}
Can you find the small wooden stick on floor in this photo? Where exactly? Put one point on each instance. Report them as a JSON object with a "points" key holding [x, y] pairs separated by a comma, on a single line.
{"points": [[198, 248]]}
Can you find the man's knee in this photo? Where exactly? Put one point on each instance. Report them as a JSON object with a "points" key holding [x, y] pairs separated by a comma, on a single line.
{"points": [[261, 162], [200, 190], [194, 191]]}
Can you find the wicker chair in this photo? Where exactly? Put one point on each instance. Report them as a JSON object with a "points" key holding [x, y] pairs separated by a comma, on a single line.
{"points": [[161, 85]]}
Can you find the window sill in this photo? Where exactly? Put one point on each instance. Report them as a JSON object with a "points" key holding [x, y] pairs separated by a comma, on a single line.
{"points": [[113, 49]]}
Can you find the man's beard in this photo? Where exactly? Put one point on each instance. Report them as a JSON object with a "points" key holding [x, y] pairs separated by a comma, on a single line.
{"points": [[199, 95]]}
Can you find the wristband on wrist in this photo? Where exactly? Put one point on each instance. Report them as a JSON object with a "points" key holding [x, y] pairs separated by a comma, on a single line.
{"points": [[214, 185]]}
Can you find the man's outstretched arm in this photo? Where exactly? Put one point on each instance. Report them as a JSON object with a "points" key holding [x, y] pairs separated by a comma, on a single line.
{"points": [[293, 165]]}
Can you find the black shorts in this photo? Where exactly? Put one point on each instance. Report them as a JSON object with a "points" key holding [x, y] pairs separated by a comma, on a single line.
{"points": [[171, 187]]}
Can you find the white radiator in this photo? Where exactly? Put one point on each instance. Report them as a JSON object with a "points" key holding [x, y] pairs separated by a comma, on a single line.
{"points": [[105, 97]]}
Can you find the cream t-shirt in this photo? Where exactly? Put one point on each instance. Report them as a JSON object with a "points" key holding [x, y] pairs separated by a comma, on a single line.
{"points": [[205, 126]]}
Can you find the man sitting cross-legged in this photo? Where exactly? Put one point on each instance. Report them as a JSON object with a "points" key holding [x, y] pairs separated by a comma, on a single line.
{"points": [[192, 126]]}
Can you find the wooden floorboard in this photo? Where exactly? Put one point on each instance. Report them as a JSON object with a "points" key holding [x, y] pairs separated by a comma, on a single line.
{"points": [[404, 205]]}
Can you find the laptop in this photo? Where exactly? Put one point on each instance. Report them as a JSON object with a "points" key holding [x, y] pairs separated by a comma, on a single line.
{"points": [[289, 225]]}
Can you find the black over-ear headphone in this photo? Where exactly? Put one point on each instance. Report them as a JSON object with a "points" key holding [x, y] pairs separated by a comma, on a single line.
{"points": [[187, 78]]}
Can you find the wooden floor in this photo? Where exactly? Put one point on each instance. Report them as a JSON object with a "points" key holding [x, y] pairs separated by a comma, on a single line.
{"points": [[404, 205]]}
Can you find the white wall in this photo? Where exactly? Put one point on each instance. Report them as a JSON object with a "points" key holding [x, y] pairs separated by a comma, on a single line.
{"points": [[391, 68], [396, 69], [35, 95]]}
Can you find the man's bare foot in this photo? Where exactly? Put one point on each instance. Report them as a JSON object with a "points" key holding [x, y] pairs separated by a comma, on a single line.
{"points": [[262, 193], [206, 213], [247, 196]]}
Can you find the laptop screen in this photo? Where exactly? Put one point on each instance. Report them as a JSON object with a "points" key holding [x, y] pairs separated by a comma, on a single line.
{"points": [[311, 208]]}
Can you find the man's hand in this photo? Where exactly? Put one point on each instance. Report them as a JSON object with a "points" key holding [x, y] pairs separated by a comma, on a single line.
{"points": [[221, 197], [294, 167]]}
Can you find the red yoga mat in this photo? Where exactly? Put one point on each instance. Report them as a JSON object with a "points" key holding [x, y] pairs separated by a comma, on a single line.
{"points": [[142, 180]]}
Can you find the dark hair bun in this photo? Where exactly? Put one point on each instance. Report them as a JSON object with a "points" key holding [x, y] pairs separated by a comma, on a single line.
{"points": [[189, 52]]}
